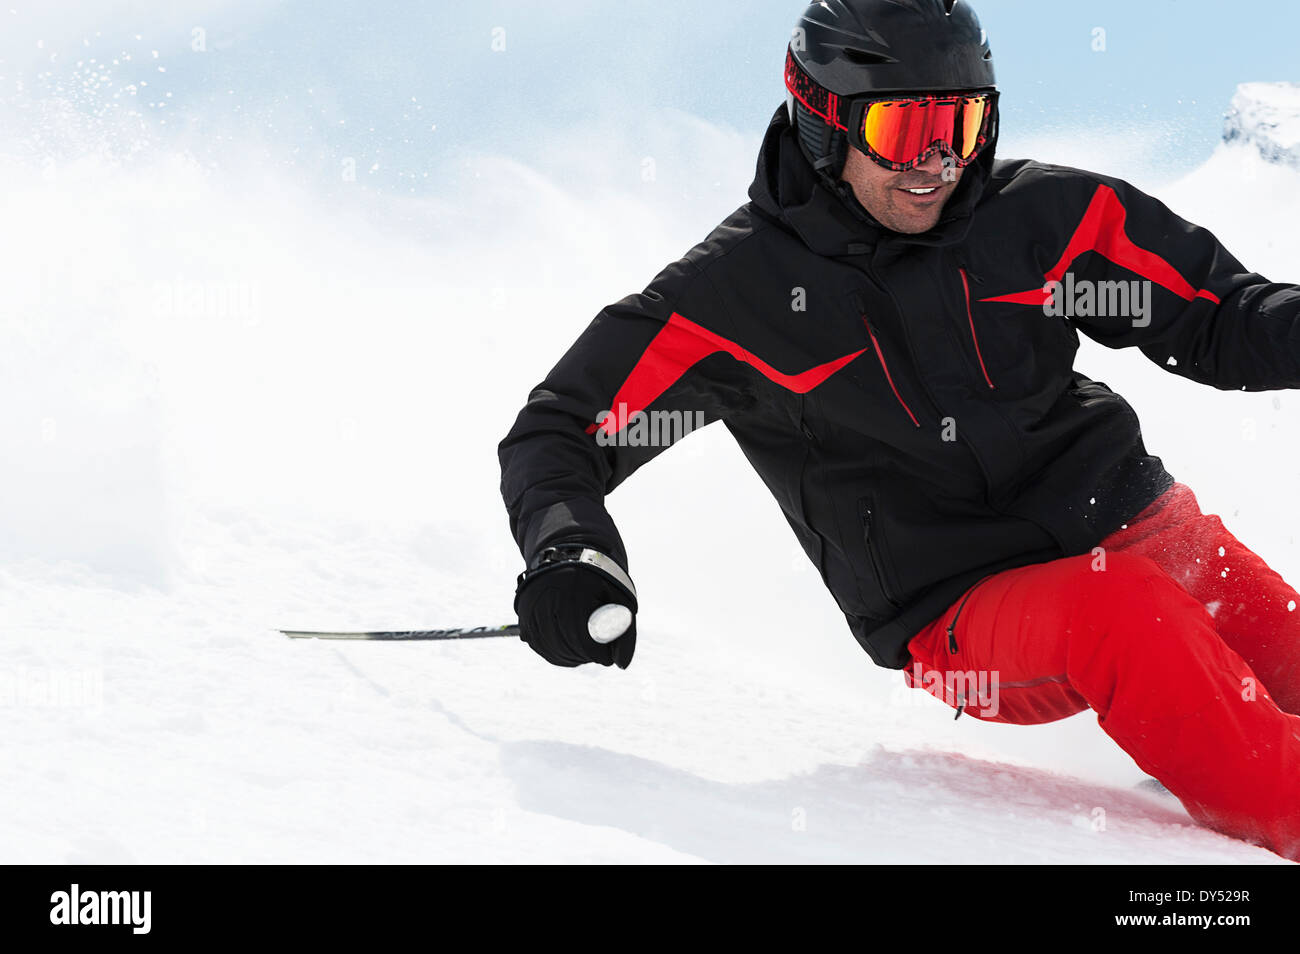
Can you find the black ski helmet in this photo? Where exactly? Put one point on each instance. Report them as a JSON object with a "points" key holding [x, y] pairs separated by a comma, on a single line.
{"points": [[864, 47]]}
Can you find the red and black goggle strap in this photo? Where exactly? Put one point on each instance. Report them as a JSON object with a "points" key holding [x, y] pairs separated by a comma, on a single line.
{"points": [[847, 115], [819, 100]]}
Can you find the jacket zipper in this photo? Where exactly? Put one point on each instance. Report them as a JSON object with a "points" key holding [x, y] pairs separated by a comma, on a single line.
{"points": [[926, 390], [970, 316], [876, 566], [888, 377]]}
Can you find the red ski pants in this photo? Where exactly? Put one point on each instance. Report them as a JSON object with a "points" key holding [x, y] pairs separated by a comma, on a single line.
{"points": [[1184, 642]]}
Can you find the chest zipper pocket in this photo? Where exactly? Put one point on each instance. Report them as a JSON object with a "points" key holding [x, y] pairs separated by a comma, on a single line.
{"points": [[884, 366], [974, 335], [878, 567]]}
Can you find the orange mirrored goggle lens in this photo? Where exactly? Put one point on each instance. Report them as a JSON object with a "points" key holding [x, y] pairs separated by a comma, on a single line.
{"points": [[901, 131]]}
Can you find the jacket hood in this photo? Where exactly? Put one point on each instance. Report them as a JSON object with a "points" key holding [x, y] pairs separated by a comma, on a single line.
{"points": [[826, 214]]}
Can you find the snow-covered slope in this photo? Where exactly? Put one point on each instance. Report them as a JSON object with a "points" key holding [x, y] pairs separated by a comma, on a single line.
{"points": [[1267, 117], [230, 405]]}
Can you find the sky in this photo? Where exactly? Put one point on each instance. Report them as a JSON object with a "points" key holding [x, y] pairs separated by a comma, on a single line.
{"points": [[385, 163], [394, 92]]}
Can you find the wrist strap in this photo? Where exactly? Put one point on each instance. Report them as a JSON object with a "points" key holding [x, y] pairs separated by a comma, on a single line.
{"points": [[576, 553]]}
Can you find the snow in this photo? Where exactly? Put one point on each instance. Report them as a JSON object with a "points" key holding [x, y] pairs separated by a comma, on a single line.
{"points": [[231, 404], [1267, 116]]}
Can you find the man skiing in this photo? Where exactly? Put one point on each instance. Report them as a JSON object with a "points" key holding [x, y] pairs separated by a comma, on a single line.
{"points": [[886, 331]]}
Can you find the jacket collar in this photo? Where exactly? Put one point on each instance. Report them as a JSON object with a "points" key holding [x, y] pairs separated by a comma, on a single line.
{"points": [[827, 216]]}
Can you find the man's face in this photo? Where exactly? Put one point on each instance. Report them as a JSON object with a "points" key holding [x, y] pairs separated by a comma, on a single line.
{"points": [[909, 202]]}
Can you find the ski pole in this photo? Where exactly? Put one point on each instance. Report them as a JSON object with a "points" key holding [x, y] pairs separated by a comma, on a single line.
{"points": [[605, 625]]}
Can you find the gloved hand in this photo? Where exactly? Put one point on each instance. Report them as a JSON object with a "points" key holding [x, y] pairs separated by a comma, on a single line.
{"points": [[554, 605]]}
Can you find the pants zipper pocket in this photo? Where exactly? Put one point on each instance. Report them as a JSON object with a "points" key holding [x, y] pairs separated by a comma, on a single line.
{"points": [[952, 637]]}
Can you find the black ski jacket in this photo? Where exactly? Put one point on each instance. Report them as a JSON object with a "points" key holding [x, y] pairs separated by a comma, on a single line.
{"points": [[907, 399]]}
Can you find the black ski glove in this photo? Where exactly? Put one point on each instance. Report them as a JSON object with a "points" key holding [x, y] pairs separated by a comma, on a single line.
{"points": [[554, 603]]}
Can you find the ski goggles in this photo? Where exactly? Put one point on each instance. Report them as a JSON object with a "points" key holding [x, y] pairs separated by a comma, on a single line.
{"points": [[901, 132]]}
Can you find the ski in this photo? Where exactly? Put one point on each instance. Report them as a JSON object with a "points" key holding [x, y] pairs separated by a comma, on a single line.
{"points": [[477, 632]]}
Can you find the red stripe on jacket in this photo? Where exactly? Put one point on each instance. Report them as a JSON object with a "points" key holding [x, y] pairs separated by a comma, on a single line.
{"points": [[679, 346], [1102, 231]]}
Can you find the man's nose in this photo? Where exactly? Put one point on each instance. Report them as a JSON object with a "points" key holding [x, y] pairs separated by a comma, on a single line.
{"points": [[934, 165]]}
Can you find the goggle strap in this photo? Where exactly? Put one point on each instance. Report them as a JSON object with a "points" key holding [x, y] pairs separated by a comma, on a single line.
{"points": [[815, 97]]}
